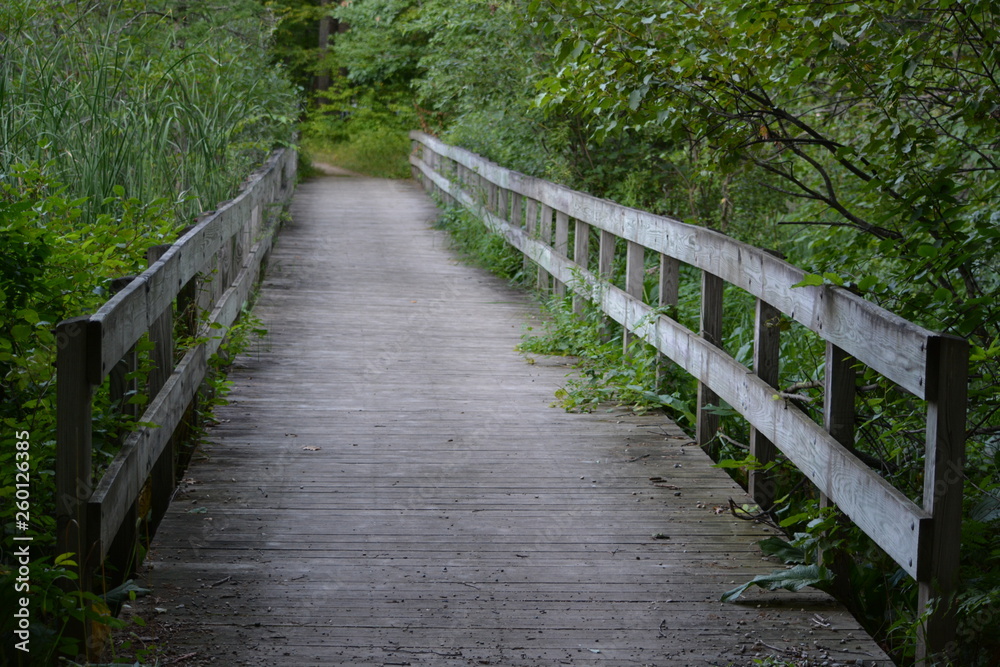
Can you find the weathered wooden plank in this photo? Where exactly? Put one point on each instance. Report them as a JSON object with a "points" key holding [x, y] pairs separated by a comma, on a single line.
{"points": [[669, 283], [122, 387], [150, 299], [545, 236], [124, 478], [839, 391], [668, 289], [872, 501], [883, 512], [162, 478]]}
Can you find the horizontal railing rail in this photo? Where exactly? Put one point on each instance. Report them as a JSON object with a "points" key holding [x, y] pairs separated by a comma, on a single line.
{"points": [[211, 269], [922, 538]]}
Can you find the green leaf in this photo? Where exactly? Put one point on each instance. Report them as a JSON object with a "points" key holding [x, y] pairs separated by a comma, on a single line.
{"points": [[810, 280], [943, 295], [720, 410], [867, 283], [833, 278], [988, 509], [793, 579], [65, 559], [20, 332], [125, 591], [775, 546], [798, 74], [635, 97]]}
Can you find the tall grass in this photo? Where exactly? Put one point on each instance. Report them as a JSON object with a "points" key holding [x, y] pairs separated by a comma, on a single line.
{"points": [[113, 98]]}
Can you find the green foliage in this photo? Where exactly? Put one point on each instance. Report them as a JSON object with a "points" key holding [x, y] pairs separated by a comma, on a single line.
{"points": [[54, 605], [362, 131], [794, 578], [361, 120], [384, 44], [479, 246], [608, 373], [295, 44]]}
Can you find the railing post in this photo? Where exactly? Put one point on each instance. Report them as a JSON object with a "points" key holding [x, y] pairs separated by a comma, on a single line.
{"points": [[436, 167], [446, 171], [581, 256], [944, 476], [839, 391], [711, 331], [766, 345], [75, 343], [414, 171], [122, 548], [605, 265], [516, 210], [531, 229], [635, 270], [669, 288], [838, 395], [545, 236], [161, 334], [561, 246]]}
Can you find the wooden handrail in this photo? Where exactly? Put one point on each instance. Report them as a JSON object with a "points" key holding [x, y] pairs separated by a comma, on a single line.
{"points": [[922, 538], [231, 243]]}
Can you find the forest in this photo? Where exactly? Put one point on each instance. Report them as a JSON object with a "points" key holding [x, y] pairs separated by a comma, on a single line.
{"points": [[860, 140]]}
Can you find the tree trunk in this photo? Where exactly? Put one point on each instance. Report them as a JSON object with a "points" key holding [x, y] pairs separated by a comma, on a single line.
{"points": [[322, 82]]}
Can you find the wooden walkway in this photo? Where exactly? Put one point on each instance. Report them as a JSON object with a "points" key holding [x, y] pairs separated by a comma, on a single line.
{"points": [[391, 486]]}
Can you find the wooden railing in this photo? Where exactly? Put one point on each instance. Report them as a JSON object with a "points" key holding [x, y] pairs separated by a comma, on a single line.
{"points": [[922, 538], [210, 269]]}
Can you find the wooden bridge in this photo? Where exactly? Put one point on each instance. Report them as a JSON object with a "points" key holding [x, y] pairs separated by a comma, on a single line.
{"points": [[389, 484]]}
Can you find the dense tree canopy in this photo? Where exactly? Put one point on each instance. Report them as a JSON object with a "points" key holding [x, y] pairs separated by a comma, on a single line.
{"points": [[878, 117]]}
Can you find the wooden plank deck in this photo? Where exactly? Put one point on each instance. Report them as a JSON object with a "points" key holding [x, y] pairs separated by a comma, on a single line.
{"points": [[391, 486]]}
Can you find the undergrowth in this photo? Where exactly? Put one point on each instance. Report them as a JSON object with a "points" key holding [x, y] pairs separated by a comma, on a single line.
{"points": [[479, 247]]}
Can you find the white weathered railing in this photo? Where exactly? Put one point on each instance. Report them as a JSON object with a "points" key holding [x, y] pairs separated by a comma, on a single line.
{"points": [[212, 268], [922, 538]]}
